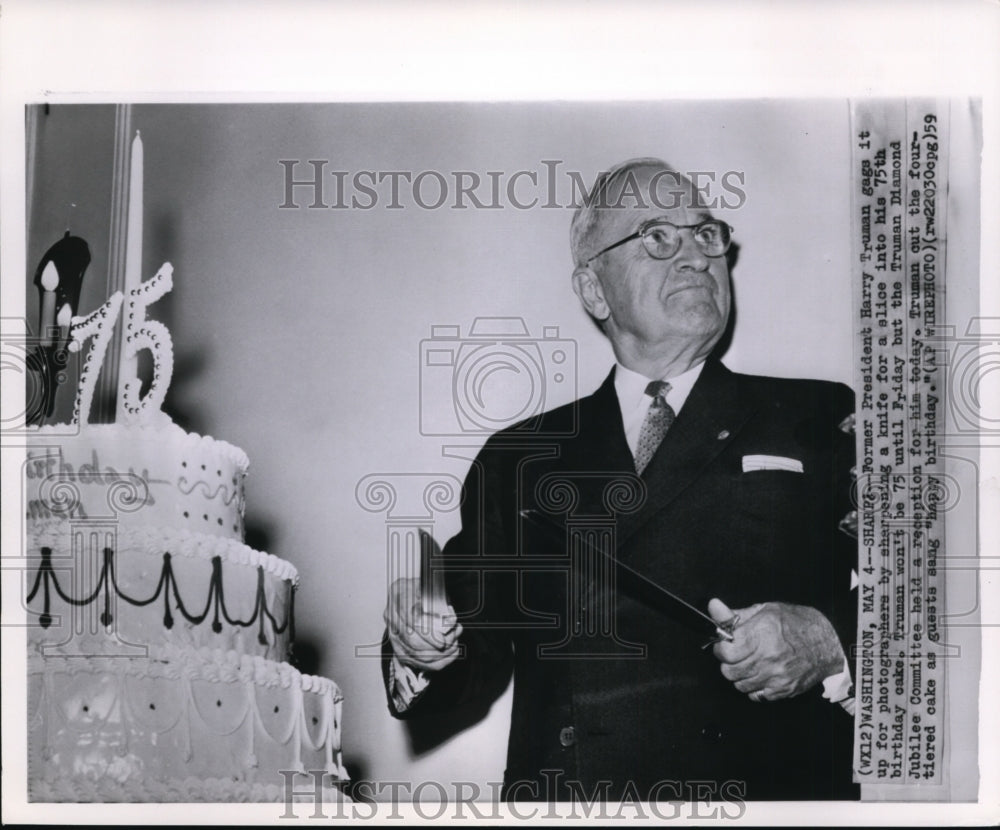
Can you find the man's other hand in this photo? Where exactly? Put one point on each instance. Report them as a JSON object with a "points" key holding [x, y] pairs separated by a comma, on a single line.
{"points": [[778, 649], [423, 640]]}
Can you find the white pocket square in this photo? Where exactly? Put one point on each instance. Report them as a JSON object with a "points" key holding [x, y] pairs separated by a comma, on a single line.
{"points": [[771, 462]]}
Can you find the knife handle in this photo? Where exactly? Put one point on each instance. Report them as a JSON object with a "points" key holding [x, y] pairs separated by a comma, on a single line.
{"points": [[724, 631]]}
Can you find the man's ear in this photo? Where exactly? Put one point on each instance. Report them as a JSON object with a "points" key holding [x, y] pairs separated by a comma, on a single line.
{"points": [[588, 289]]}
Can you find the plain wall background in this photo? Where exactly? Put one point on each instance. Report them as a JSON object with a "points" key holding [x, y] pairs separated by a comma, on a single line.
{"points": [[297, 332]]}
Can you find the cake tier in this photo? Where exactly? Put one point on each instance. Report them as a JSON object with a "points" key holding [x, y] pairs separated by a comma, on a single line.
{"points": [[187, 790], [104, 590], [123, 726], [136, 475]]}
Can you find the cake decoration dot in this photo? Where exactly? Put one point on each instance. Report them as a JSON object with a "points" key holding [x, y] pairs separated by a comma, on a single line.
{"points": [[86, 708], [276, 709], [205, 516], [218, 703], [152, 706]]}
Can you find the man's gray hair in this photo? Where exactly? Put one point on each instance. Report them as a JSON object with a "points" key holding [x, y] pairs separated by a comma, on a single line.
{"points": [[604, 194]]}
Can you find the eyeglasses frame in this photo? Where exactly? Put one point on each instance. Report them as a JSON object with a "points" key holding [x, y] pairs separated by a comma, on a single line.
{"points": [[645, 226]]}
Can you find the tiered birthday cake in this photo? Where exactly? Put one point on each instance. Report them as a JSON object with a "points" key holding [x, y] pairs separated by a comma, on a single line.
{"points": [[157, 639]]}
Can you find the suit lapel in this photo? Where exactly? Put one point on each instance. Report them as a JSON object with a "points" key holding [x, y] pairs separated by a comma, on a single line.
{"points": [[598, 441], [598, 454], [602, 446], [712, 416], [714, 413]]}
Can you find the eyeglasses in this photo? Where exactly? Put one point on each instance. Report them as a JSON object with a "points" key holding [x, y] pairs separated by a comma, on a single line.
{"points": [[662, 239]]}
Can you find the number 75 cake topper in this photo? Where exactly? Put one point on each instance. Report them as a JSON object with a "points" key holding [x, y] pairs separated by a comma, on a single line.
{"points": [[138, 334]]}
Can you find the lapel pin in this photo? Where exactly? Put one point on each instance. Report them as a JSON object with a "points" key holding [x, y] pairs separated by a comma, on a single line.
{"points": [[722, 436]]}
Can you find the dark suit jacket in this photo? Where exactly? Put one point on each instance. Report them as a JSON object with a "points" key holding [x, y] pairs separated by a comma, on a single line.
{"points": [[611, 682]]}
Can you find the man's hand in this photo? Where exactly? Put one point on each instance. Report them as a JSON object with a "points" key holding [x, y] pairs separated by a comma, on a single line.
{"points": [[424, 641], [778, 650]]}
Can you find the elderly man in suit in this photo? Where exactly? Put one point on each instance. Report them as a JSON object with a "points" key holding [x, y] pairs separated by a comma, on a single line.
{"points": [[676, 478]]}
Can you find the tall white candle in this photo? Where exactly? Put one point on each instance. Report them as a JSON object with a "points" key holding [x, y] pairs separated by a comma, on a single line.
{"points": [[133, 239], [128, 365]]}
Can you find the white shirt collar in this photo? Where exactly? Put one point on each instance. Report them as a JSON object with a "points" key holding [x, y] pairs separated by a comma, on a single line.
{"points": [[631, 387], [634, 402]]}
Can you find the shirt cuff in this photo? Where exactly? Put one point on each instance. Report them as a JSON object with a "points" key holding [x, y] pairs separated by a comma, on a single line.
{"points": [[405, 684], [837, 687]]}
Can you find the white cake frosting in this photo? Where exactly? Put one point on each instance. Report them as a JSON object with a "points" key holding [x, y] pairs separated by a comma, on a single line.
{"points": [[182, 791], [177, 713], [253, 615], [137, 475]]}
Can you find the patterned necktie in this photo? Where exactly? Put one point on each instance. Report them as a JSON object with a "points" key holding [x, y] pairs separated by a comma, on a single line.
{"points": [[658, 420]]}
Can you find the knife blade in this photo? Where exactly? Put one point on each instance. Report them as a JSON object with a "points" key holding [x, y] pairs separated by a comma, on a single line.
{"points": [[432, 592], [724, 630]]}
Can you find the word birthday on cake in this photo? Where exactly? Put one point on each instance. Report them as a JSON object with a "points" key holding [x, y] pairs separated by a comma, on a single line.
{"points": [[54, 469], [45, 466]]}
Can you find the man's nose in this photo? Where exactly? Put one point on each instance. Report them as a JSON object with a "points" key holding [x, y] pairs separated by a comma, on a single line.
{"points": [[690, 256]]}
